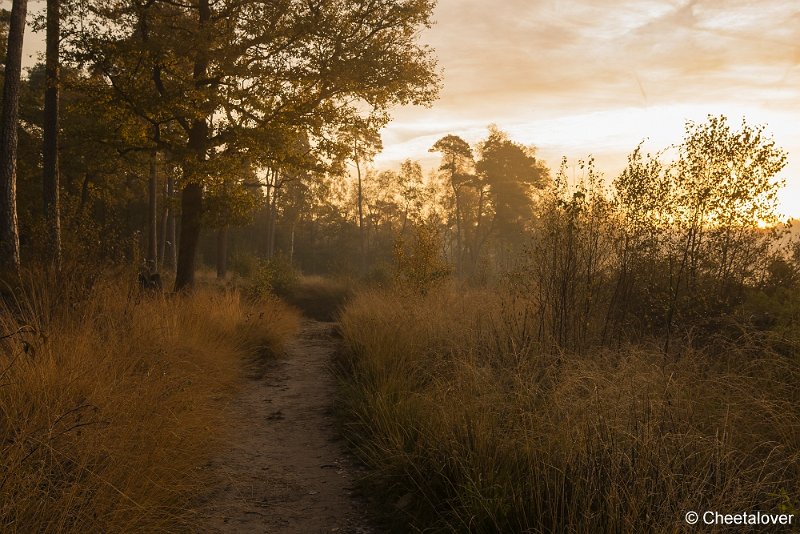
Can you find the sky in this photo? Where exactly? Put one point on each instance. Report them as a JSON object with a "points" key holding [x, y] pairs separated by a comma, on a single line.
{"points": [[595, 77]]}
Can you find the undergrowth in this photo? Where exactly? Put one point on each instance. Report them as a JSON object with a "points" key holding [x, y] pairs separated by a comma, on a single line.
{"points": [[468, 425], [113, 400]]}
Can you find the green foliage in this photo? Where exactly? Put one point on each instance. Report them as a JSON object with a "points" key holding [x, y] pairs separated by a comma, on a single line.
{"points": [[251, 73], [420, 265], [275, 276], [230, 203], [511, 172]]}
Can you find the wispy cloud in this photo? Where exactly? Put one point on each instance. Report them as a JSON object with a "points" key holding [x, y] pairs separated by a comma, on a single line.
{"points": [[582, 76]]}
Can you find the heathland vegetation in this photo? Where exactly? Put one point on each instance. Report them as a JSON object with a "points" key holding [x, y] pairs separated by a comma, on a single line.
{"points": [[112, 402], [634, 358], [145, 124]]}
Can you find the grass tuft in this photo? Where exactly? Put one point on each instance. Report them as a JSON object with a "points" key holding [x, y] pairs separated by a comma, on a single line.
{"points": [[112, 401]]}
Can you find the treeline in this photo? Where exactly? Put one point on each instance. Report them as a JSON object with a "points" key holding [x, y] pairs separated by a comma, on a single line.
{"points": [[480, 208], [149, 115], [246, 131], [672, 243], [680, 236]]}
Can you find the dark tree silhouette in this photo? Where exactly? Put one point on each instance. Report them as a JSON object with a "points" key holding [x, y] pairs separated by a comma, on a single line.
{"points": [[51, 178], [9, 232]]}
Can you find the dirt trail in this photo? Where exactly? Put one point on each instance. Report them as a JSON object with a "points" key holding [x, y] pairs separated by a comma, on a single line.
{"points": [[286, 469]]}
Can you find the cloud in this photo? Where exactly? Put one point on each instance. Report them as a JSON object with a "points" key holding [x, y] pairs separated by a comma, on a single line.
{"points": [[587, 76], [594, 51]]}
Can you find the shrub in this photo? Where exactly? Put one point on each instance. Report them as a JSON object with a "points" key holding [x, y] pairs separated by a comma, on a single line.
{"points": [[275, 276], [420, 264]]}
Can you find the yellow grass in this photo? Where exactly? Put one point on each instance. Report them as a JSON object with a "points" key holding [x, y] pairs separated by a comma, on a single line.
{"points": [[470, 427], [111, 402]]}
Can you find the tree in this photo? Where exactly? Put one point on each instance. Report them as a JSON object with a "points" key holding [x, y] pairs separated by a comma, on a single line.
{"points": [[169, 250], [101, 204], [50, 181], [412, 193], [152, 210], [231, 201], [510, 172], [725, 185], [693, 227], [643, 200], [255, 69], [366, 142], [457, 166], [569, 260], [292, 163], [318, 216], [9, 232]]}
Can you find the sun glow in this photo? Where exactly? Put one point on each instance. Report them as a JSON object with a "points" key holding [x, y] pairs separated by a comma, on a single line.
{"points": [[583, 78]]}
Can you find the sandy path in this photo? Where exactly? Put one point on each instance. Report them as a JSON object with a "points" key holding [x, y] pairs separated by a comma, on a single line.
{"points": [[286, 469]]}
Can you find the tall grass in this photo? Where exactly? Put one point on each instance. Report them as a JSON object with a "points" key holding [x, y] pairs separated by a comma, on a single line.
{"points": [[112, 401], [318, 297], [468, 426]]}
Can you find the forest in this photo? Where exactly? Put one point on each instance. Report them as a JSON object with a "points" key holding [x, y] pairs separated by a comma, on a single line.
{"points": [[192, 221]]}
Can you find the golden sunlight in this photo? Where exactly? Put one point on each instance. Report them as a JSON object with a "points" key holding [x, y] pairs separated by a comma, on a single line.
{"points": [[597, 77]]}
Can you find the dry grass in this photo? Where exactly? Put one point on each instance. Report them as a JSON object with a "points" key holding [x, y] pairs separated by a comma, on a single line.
{"points": [[111, 402], [470, 427], [320, 298]]}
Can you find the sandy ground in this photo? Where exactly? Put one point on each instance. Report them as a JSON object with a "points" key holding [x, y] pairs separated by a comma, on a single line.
{"points": [[286, 469]]}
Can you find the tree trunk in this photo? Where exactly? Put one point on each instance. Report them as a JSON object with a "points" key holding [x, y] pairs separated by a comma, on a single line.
{"points": [[50, 178], [361, 234], [162, 235], [291, 245], [84, 193], [268, 219], [222, 252], [171, 256], [475, 241], [9, 232], [152, 212], [192, 194], [191, 211], [272, 220], [459, 244]]}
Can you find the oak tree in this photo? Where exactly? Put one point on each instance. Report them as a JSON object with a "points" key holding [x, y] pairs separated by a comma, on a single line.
{"points": [[231, 74]]}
